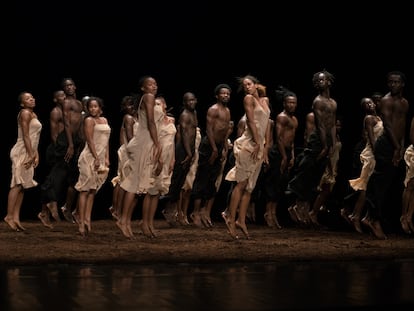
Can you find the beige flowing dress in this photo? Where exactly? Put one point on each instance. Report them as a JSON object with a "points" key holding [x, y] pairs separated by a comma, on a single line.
{"points": [[409, 161], [122, 157], [18, 156], [189, 179], [89, 178], [246, 168], [367, 160], [166, 136], [140, 163]]}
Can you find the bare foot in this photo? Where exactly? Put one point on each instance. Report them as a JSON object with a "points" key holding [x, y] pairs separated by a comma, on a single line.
{"points": [[356, 222], [230, 225], [88, 225], [145, 230], [206, 220], [170, 216], [292, 214], [303, 210], [410, 224], [269, 220], [196, 218], [113, 213], [345, 215], [313, 216], [251, 213], [276, 221], [53, 211], [182, 219], [123, 229], [75, 217], [11, 223], [404, 224], [19, 226], [67, 214], [375, 227], [45, 220], [243, 228], [82, 230], [152, 230]]}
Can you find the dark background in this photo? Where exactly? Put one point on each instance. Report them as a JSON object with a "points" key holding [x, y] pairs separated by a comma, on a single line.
{"points": [[193, 46]]}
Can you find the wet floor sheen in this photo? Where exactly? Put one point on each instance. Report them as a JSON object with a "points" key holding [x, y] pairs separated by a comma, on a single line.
{"points": [[272, 286]]}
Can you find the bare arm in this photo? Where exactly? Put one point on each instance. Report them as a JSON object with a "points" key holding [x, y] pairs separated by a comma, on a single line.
{"points": [[249, 105], [68, 130], [369, 123], [129, 127], [212, 115], [186, 127], [89, 125], [25, 117], [148, 102], [386, 113], [55, 119], [282, 122], [412, 131]]}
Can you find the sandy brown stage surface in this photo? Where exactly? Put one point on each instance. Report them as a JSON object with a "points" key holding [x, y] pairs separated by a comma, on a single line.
{"points": [[190, 244]]}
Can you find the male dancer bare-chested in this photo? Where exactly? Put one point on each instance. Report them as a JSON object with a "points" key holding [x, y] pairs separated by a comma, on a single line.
{"points": [[212, 152], [54, 185], [318, 149], [184, 154], [281, 155], [388, 151], [73, 120]]}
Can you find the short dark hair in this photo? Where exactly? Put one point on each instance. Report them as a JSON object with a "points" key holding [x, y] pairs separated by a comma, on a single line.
{"points": [[221, 86]]}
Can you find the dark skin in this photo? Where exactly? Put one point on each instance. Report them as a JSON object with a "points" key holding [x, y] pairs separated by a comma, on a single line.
{"points": [[394, 108], [286, 125], [72, 116], [324, 109], [218, 121], [187, 127]]}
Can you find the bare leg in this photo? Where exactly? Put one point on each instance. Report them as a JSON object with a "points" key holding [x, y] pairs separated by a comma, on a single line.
{"points": [[67, 207], [127, 209], [196, 214], [251, 212], [44, 216], [235, 199], [16, 211], [153, 209], [83, 197], [11, 203], [408, 208], [206, 213], [182, 207], [375, 227], [146, 206], [241, 219], [170, 213], [355, 217], [88, 212], [268, 214], [53, 209]]}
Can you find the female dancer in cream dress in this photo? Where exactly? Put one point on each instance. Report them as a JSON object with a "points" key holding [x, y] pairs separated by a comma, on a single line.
{"points": [[144, 152], [250, 151], [373, 128], [166, 135], [406, 218], [93, 161], [128, 130], [24, 157]]}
